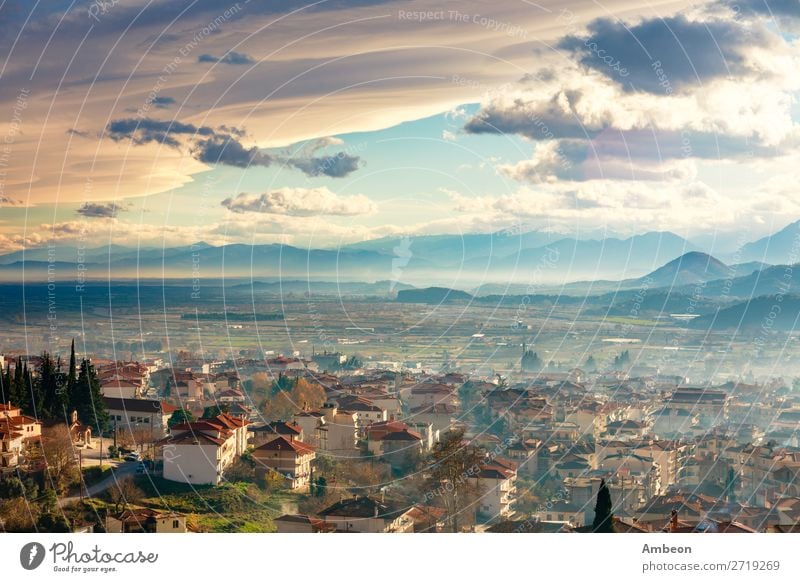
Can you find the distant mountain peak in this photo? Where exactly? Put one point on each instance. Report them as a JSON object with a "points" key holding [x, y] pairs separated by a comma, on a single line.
{"points": [[689, 268]]}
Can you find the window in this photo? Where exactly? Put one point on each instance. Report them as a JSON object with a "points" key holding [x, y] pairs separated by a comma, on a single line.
{"points": [[175, 524]]}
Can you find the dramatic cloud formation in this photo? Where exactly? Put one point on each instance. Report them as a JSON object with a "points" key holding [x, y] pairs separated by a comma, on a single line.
{"points": [[231, 58], [666, 55], [96, 210], [301, 202], [222, 146], [641, 101], [144, 131]]}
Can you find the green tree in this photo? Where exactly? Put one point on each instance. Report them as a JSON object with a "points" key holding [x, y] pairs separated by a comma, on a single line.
{"points": [[180, 416], [215, 410], [603, 517], [72, 373], [321, 486], [531, 361], [282, 384], [5, 385], [34, 398], [53, 388], [87, 399], [352, 363], [11, 487]]}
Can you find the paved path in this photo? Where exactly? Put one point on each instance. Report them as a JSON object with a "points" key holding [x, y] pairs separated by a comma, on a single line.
{"points": [[119, 472]]}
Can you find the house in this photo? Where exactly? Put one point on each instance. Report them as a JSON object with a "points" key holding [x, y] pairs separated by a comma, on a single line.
{"points": [[525, 454], [16, 430], [402, 448], [710, 405], [142, 520], [429, 394], [139, 415], [10, 448], [27, 425], [364, 514], [199, 452], [427, 519], [496, 484], [337, 432], [123, 379], [117, 388], [365, 411], [626, 429], [292, 459], [230, 396], [440, 416], [264, 433], [309, 421], [562, 511], [378, 430], [298, 523]]}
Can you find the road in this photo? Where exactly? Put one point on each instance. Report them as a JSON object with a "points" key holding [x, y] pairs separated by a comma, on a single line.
{"points": [[119, 472]]}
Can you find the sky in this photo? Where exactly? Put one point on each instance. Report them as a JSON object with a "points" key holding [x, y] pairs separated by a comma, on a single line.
{"points": [[163, 122]]}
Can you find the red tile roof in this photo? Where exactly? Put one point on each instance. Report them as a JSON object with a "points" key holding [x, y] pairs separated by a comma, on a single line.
{"points": [[282, 444]]}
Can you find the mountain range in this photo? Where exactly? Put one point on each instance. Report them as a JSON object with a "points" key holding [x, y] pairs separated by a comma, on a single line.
{"points": [[478, 263]]}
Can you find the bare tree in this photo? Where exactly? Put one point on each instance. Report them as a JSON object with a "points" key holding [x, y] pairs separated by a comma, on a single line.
{"points": [[124, 492], [60, 457], [452, 483]]}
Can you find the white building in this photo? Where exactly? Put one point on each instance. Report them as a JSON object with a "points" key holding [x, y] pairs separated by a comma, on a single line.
{"points": [[199, 452]]}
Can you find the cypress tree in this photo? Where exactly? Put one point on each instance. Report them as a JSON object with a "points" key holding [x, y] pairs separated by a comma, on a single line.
{"points": [[11, 390], [5, 395], [22, 396], [88, 399], [48, 387], [72, 373], [603, 518]]}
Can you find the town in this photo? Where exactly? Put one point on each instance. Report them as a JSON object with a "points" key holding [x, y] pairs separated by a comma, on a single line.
{"points": [[328, 442]]}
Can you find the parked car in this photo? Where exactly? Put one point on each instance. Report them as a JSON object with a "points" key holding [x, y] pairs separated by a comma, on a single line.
{"points": [[133, 457]]}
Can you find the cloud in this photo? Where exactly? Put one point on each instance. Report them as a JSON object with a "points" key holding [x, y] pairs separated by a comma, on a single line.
{"points": [[301, 202], [604, 157], [6, 201], [786, 13], [146, 130], [335, 166], [222, 146], [665, 55], [725, 91], [96, 210], [77, 132], [229, 58], [162, 102], [620, 205], [229, 151]]}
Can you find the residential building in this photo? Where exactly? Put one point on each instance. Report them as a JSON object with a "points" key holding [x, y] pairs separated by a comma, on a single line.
{"points": [[289, 458], [364, 514], [137, 415], [199, 452], [141, 520]]}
